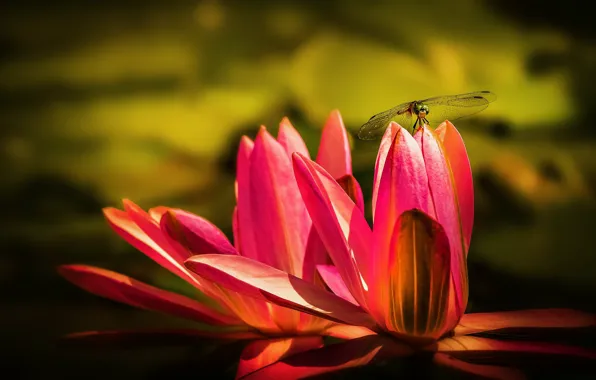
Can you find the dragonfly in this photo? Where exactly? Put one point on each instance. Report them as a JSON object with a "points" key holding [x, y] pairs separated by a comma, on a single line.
{"points": [[436, 109]]}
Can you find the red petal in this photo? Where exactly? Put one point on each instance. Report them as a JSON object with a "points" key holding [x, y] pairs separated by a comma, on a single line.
{"points": [[487, 371], [290, 139], [537, 318], [261, 353], [260, 281], [468, 346], [455, 150], [339, 222], [245, 227], [196, 234], [167, 258], [124, 289], [144, 338], [331, 276], [334, 151], [332, 358]]}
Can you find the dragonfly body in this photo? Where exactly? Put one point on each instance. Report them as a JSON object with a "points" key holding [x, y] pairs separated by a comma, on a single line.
{"points": [[443, 108]]}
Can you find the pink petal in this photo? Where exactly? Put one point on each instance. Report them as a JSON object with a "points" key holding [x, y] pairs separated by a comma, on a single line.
{"points": [[455, 150], [168, 258], [442, 190], [196, 234], [334, 151], [332, 278], [485, 371], [469, 346], [339, 222], [353, 189], [157, 212], [261, 353], [290, 139], [403, 186], [152, 229], [534, 318], [235, 228], [418, 270], [245, 227], [351, 354], [384, 147], [281, 222], [145, 338], [260, 281], [314, 255], [124, 289], [347, 332]]}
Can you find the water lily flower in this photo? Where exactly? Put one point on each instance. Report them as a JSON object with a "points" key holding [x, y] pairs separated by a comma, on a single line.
{"points": [[408, 274], [271, 225]]}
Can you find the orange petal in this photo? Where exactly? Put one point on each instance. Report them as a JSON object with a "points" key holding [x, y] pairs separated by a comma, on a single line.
{"points": [[418, 270], [334, 151], [261, 353], [347, 331], [533, 318], [486, 371], [353, 189], [124, 289]]}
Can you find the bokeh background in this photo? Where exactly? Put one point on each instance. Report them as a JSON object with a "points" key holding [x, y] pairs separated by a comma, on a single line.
{"points": [[146, 100]]}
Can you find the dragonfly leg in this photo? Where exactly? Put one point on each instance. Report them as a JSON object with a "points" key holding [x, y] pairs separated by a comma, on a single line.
{"points": [[414, 126]]}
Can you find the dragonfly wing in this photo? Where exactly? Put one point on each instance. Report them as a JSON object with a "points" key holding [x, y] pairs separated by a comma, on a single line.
{"points": [[470, 99], [457, 106], [376, 125], [440, 113]]}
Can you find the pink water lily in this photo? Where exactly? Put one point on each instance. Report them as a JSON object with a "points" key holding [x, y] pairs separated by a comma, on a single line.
{"points": [[407, 275], [271, 226]]}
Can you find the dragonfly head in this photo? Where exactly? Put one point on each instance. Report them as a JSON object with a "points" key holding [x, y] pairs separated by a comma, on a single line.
{"points": [[421, 110]]}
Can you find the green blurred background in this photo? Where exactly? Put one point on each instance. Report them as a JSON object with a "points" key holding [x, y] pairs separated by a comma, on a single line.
{"points": [[146, 100]]}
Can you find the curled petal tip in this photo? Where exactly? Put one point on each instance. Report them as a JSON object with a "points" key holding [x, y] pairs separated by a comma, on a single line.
{"points": [[298, 156]]}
